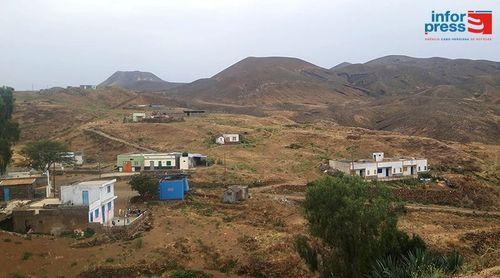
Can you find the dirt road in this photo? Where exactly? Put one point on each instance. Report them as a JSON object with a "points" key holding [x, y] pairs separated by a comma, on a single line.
{"points": [[116, 139]]}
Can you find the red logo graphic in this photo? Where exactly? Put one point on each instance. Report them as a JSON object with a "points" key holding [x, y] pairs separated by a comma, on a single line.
{"points": [[480, 22]]}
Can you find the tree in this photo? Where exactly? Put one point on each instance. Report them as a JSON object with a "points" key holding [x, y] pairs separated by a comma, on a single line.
{"points": [[9, 130], [145, 185], [42, 154], [356, 220]]}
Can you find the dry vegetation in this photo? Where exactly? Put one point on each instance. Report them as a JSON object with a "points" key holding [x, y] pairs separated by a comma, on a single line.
{"points": [[254, 238]]}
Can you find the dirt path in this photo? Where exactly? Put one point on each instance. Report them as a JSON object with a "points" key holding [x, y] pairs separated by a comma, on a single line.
{"points": [[412, 207], [111, 137], [456, 210]]}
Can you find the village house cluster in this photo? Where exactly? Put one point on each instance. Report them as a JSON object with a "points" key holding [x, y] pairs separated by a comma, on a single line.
{"points": [[28, 203]]}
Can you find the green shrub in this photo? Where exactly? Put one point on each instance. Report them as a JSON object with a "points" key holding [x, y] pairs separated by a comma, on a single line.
{"points": [[295, 146], [145, 185], [417, 263], [306, 252], [26, 256], [186, 273], [356, 220]]}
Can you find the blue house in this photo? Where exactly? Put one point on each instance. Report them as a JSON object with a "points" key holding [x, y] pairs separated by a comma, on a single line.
{"points": [[173, 187]]}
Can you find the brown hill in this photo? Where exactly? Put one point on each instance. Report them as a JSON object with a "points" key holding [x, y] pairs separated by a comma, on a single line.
{"points": [[441, 98], [411, 95], [268, 83], [137, 81], [402, 74]]}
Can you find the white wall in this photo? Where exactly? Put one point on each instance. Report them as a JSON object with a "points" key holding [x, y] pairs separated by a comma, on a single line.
{"points": [[98, 196]]}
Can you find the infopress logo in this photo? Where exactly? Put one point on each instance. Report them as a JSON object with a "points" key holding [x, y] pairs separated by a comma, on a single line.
{"points": [[471, 23], [480, 22]]}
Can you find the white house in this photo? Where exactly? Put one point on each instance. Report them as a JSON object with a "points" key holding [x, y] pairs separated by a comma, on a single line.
{"points": [[154, 161], [137, 117], [98, 195], [379, 167], [227, 138]]}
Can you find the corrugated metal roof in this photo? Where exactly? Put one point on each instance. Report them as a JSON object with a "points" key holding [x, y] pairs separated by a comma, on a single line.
{"points": [[13, 182]]}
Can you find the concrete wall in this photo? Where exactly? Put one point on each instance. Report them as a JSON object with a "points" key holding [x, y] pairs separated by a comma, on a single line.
{"points": [[50, 221], [341, 166]]}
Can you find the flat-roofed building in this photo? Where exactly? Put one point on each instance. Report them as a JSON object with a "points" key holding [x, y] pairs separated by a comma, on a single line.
{"points": [[381, 168]]}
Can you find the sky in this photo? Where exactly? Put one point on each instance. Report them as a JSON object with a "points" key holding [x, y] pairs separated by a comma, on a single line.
{"points": [[60, 43]]}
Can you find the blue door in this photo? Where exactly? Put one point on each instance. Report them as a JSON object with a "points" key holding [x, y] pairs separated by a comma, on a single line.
{"points": [[103, 215], [6, 194], [85, 197]]}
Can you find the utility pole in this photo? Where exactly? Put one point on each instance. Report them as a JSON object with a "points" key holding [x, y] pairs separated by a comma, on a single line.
{"points": [[99, 164], [54, 178], [225, 168]]}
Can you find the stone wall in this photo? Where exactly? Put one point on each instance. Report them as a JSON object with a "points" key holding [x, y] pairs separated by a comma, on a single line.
{"points": [[18, 192], [51, 220]]}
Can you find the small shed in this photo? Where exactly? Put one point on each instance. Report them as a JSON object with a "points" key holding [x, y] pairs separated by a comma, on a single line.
{"points": [[235, 193], [137, 117], [173, 187], [17, 189]]}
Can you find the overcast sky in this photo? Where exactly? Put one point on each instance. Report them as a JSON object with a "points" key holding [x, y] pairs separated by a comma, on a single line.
{"points": [[70, 42]]}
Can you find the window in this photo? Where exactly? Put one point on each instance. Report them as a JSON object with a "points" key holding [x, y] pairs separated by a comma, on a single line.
{"points": [[425, 168], [169, 163], [109, 206], [96, 213], [419, 168], [108, 189], [234, 138], [368, 172], [85, 197], [394, 170], [379, 170]]}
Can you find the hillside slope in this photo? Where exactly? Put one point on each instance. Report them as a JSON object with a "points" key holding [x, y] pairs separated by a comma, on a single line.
{"points": [[441, 98], [256, 84]]}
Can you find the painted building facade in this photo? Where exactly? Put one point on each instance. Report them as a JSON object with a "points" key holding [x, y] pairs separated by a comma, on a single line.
{"points": [[99, 196], [380, 168], [159, 161]]}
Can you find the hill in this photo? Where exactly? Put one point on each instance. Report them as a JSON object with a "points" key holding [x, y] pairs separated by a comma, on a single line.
{"points": [[137, 81], [414, 96], [429, 96], [257, 84], [402, 74]]}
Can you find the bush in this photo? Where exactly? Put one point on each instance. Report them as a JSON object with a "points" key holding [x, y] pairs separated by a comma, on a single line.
{"points": [[26, 256], [357, 221], [306, 252], [417, 263], [186, 273], [350, 216], [145, 185]]}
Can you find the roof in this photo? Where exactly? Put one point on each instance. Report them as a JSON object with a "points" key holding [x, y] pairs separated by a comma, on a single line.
{"points": [[387, 159], [44, 202], [13, 182], [197, 155], [236, 188], [94, 183], [172, 177]]}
